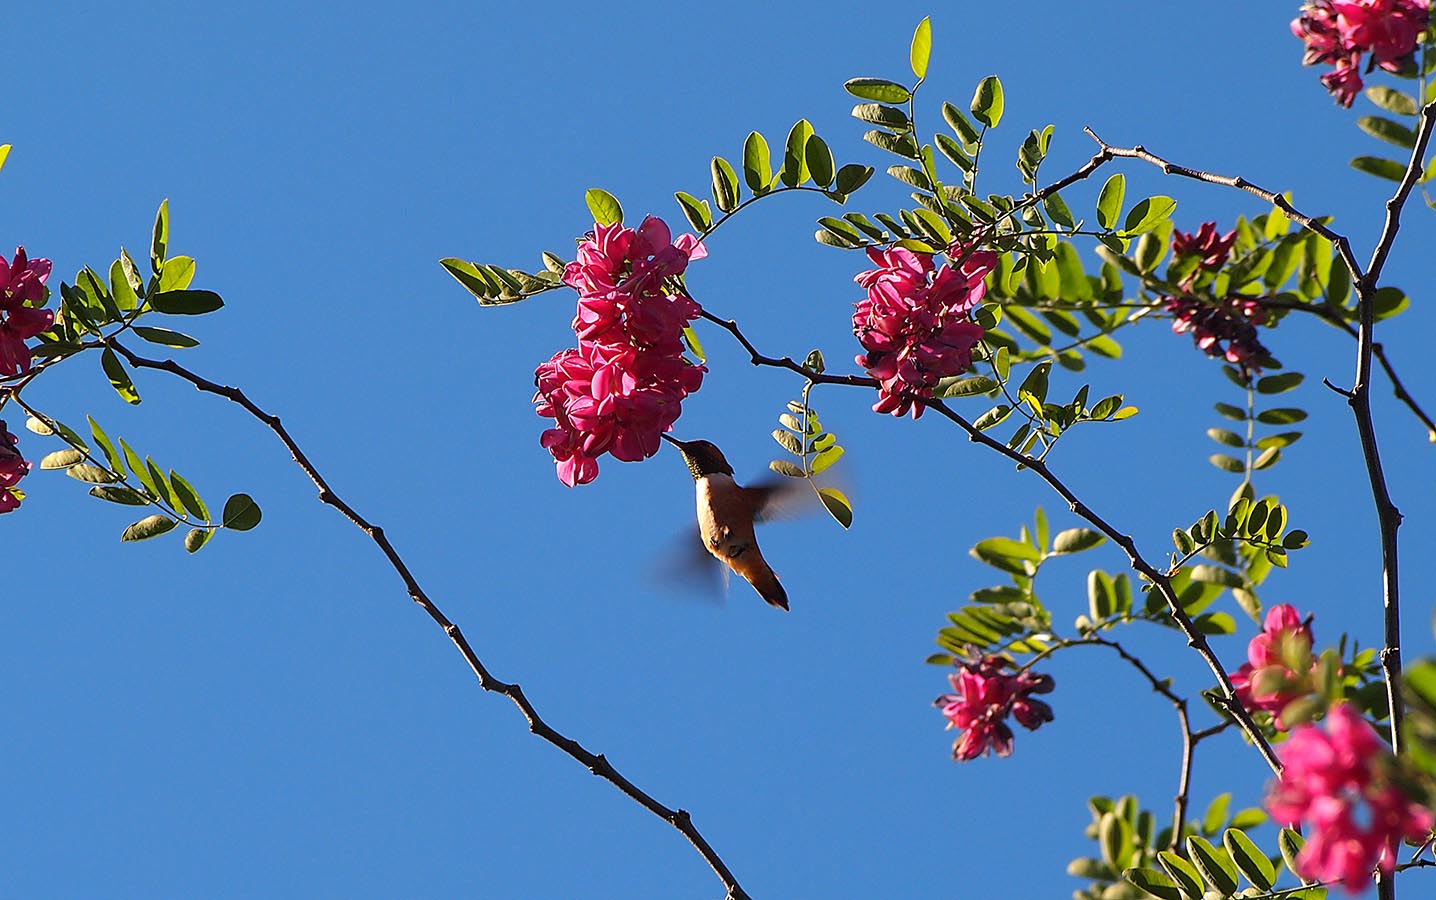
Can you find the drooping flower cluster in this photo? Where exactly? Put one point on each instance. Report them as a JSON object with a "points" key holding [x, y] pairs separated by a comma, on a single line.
{"points": [[1340, 32], [915, 323], [1340, 783], [13, 467], [22, 292], [1279, 663], [1226, 330], [624, 384], [985, 696]]}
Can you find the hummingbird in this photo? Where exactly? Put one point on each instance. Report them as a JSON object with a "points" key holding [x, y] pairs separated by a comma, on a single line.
{"points": [[726, 513]]}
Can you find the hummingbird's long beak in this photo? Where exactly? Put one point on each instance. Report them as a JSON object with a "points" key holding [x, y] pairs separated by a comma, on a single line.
{"points": [[672, 440]]}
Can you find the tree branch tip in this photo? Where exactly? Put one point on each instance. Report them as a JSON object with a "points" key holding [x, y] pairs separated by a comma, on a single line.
{"points": [[1349, 395]]}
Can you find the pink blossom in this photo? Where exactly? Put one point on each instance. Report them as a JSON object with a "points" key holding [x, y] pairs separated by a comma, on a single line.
{"points": [[1267, 680], [1206, 243], [1341, 783], [22, 290], [1227, 329], [985, 696], [914, 323], [624, 384], [13, 467], [1341, 32]]}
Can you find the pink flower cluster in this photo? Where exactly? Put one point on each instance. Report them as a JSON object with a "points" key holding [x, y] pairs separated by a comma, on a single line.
{"points": [[1227, 330], [1267, 680], [1206, 243], [1340, 783], [985, 696], [22, 291], [624, 384], [914, 323], [1339, 32], [13, 467]]}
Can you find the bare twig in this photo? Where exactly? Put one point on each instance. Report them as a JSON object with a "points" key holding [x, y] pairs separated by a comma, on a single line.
{"points": [[594, 762]]}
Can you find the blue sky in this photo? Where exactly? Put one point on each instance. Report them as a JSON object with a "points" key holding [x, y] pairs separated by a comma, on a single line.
{"points": [[273, 717]]}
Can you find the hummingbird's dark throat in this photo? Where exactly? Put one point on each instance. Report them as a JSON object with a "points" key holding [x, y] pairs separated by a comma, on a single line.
{"points": [[702, 458]]}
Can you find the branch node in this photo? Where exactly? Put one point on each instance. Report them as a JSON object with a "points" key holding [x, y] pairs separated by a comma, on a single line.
{"points": [[1349, 395]]}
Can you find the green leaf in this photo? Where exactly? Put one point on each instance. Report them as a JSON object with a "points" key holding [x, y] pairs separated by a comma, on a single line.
{"points": [[820, 161], [1035, 384], [696, 211], [1057, 208], [795, 156], [1392, 100], [604, 206], [164, 337], [877, 89], [1216, 813], [1154, 883], [474, 280], [185, 303], [889, 117], [1253, 863], [788, 441], [1109, 202], [961, 126], [1075, 540], [116, 462], [1227, 438], [1215, 865], [91, 474], [148, 527], [62, 459], [176, 273], [1381, 168], [159, 244], [987, 102], [120, 494], [825, 459], [851, 177], [1006, 554], [1290, 844], [1148, 214], [1388, 131], [757, 170], [965, 386], [241, 513], [120, 288], [921, 48], [4, 154], [188, 496], [725, 185], [837, 505], [119, 378], [1183, 872], [1279, 383], [992, 417], [783, 467], [196, 538]]}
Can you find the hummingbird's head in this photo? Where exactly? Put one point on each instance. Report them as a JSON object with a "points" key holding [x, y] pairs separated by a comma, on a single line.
{"points": [[703, 457]]}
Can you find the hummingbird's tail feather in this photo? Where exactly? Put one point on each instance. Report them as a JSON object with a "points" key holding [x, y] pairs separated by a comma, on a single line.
{"points": [[767, 585]]}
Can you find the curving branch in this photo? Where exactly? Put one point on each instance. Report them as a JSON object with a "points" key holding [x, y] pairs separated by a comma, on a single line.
{"points": [[596, 763]]}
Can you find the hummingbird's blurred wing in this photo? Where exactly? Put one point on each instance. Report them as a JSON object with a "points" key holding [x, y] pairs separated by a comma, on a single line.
{"points": [[687, 567], [780, 498]]}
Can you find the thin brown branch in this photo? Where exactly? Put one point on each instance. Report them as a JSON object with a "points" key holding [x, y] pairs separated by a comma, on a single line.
{"points": [[1343, 246], [594, 762], [1388, 516]]}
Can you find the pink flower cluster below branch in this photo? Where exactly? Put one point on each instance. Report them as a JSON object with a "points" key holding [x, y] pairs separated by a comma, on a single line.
{"points": [[22, 291], [624, 384], [985, 696], [1339, 783], [915, 322], [13, 467], [1341, 32]]}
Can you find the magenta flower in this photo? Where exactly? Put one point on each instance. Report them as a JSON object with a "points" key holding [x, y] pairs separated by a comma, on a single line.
{"points": [[22, 290], [1341, 32], [914, 323], [13, 467], [1341, 783], [624, 384], [1206, 243], [985, 696], [1226, 330], [1267, 680]]}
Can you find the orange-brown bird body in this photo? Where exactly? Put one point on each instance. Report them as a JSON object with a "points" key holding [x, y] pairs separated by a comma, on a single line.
{"points": [[726, 513]]}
